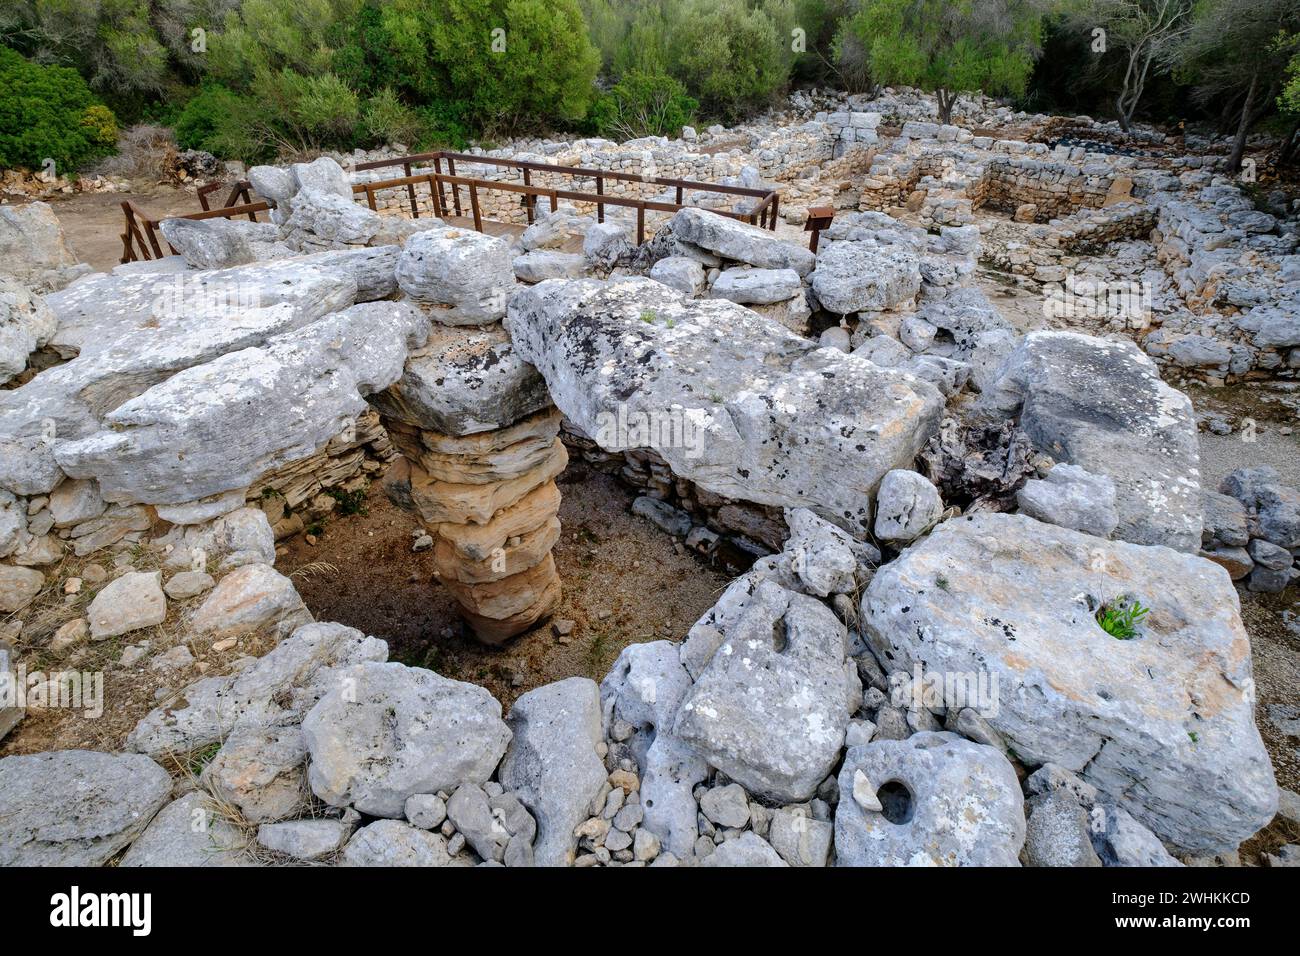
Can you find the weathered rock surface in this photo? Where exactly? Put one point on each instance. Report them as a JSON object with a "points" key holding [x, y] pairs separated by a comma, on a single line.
{"points": [[1176, 746], [733, 239], [770, 708], [386, 731], [393, 843], [935, 799], [304, 839], [1136, 430], [736, 404], [907, 506], [276, 690], [75, 807], [248, 599], [26, 324], [260, 770], [552, 764], [133, 601], [468, 273], [1071, 497], [189, 832], [33, 248], [464, 381], [860, 276], [218, 426]]}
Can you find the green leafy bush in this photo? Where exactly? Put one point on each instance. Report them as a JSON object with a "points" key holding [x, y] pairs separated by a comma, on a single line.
{"points": [[729, 55], [643, 104], [48, 112], [388, 120], [224, 123]]}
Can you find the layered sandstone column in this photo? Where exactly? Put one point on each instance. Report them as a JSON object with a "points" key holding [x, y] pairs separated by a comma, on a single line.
{"points": [[490, 501]]}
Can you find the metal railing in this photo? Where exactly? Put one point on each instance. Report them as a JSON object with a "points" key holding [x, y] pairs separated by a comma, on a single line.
{"points": [[140, 240]]}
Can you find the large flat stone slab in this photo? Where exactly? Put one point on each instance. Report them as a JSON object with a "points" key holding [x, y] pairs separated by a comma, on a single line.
{"points": [[733, 401], [1163, 724]]}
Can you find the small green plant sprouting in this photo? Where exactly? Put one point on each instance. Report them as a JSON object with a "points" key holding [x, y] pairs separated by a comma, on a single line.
{"points": [[941, 582], [1193, 737], [649, 316], [1122, 617], [201, 758], [350, 502]]}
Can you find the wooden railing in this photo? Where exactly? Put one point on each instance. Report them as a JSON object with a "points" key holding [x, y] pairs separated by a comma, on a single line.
{"points": [[140, 240]]}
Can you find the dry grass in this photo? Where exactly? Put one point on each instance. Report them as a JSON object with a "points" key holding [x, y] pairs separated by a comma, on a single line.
{"points": [[130, 692]]}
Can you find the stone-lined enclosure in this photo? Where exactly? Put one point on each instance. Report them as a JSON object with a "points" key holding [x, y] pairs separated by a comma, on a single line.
{"points": [[796, 722]]}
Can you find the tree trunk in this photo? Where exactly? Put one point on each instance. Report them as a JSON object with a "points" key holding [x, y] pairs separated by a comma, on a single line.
{"points": [[1289, 145], [1119, 110], [1243, 127], [946, 100]]}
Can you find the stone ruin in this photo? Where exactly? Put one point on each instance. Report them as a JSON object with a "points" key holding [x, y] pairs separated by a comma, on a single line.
{"points": [[904, 649]]}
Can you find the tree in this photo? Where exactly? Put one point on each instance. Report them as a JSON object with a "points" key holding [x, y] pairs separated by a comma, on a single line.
{"points": [[1236, 52], [733, 57], [947, 46], [1145, 35]]}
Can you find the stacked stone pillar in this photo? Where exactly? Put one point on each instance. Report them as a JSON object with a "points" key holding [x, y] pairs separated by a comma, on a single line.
{"points": [[477, 428], [490, 501]]}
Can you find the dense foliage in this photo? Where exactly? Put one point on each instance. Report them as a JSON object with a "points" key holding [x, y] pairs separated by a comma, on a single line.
{"points": [[255, 78], [48, 113]]}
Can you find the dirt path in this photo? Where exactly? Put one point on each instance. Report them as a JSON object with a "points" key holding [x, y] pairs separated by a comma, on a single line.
{"points": [[92, 222]]}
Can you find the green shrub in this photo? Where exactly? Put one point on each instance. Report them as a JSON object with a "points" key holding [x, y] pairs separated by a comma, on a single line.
{"points": [[225, 124], [326, 109], [388, 120], [48, 112], [643, 104], [732, 57]]}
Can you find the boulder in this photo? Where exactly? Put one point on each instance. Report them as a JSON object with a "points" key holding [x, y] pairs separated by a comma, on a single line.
{"points": [[26, 324], [548, 264], [386, 731], [770, 708], [1101, 405], [18, 587], [248, 599], [733, 239], [552, 764], [304, 839], [863, 276], [734, 403], [682, 273], [1071, 497], [468, 273], [129, 603], [33, 249], [907, 506], [748, 849], [190, 832], [1276, 506], [75, 807], [260, 770], [1162, 724], [220, 243], [934, 799], [273, 691], [218, 426], [393, 843], [750, 286]]}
